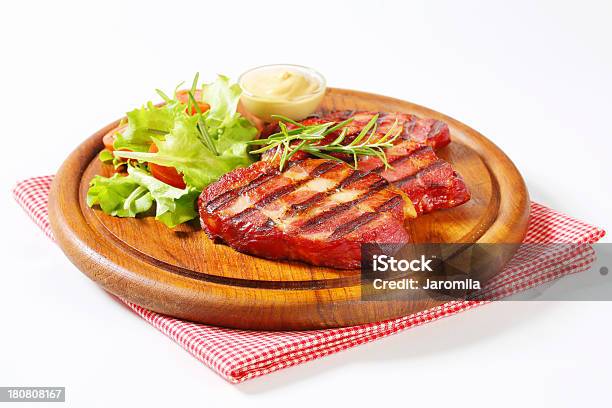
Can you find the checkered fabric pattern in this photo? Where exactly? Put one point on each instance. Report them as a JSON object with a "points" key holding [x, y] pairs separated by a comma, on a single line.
{"points": [[238, 355]]}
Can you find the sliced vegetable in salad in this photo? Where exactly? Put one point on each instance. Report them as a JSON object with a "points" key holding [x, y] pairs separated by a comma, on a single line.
{"points": [[173, 151]]}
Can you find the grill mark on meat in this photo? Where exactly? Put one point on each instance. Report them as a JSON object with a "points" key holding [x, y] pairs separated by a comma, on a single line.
{"points": [[379, 185], [438, 163], [391, 204], [354, 177], [317, 198], [354, 224], [323, 168], [366, 218], [282, 191], [326, 215], [400, 159], [227, 197], [275, 195], [266, 226], [306, 204]]}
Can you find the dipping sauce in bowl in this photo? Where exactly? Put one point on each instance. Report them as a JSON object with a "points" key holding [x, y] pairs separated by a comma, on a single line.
{"points": [[288, 90]]}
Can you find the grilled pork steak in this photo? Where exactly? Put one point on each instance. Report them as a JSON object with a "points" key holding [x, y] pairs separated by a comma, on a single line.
{"points": [[316, 211], [430, 182], [431, 132]]}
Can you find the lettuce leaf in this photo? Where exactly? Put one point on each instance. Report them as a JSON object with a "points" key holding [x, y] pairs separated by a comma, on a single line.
{"points": [[106, 157], [145, 123], [183, 149], [166, 196], [184, 210], [128, 196], [119, 196], [223, 99]]}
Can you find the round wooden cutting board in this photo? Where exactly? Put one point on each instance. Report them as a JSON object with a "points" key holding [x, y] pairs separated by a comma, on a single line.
{"points": [[184, 274]]}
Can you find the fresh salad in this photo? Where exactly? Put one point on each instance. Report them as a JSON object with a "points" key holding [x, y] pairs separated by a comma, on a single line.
{"points": [[164, 156]]}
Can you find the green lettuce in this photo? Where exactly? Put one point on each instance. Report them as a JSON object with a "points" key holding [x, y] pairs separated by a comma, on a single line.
{"points": [[120, 196], [183, 148], [128, 196], [106, 156], [201, 147], [145, 123], [223, 98]]}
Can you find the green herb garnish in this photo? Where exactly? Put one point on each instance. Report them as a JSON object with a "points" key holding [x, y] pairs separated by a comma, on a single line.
{"points": [[307, 139], [201, 126]]}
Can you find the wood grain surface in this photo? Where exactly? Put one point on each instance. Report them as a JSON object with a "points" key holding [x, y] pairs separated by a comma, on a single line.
{"points": [[182, 273]]}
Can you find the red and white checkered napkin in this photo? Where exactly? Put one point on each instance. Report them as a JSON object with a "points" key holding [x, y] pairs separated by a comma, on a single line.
{"points": [[238, 355]]}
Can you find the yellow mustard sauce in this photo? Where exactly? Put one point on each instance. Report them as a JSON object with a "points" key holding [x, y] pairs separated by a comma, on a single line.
{"points": [[288, 90]]}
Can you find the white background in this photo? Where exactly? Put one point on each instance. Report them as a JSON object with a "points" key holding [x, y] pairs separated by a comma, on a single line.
{"points": [[535, 77]]}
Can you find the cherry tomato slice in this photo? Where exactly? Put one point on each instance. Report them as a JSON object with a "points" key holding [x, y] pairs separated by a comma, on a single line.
{"points": [[168, 175], [183, 96]]}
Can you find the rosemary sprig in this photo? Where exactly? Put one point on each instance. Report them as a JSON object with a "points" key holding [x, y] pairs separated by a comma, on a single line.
{"points": [[161, 93], [194, 86], [285, 119], [205, 137], [307, 139]]}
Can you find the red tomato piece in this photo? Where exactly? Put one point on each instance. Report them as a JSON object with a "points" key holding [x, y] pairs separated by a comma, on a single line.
{"points": [[168, 175]]}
